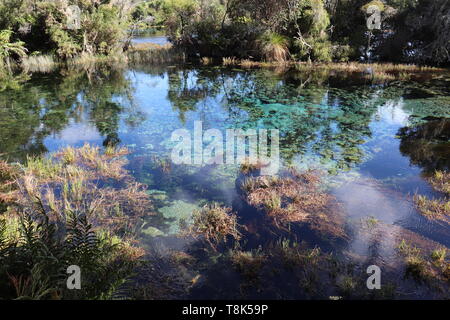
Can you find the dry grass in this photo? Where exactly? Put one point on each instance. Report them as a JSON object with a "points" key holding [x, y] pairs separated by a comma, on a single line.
{"points": [[441, 181], [215, 224], [296, 197], [7, 186], [88, 61], [40, 63], [432, 208], [436, 208], [250, 167], [250, 63], [84, 181], [230, 61], [206, 61]]}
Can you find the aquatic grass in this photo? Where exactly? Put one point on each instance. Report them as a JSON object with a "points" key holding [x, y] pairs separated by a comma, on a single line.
{"points": [[371, 222], [432, 208], [272, 203], [206, 61], [83, 181], [250, 167], [414, 263], [439, 255], [418, 266], [246, 63], [248, 263], [8, 175], [440, 181], [295, 197], [88, 61], [213, 223]]}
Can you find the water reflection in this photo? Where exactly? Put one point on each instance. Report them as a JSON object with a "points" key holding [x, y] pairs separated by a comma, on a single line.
{"points": [[326, 122], [427, 145]]}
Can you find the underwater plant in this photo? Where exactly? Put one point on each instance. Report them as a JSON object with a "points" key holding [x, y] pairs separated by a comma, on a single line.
{"points": [[296, 197], [215, 224]]}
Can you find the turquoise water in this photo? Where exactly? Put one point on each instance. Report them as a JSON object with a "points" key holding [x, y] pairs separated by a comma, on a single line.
{"points": [[374, 142]]}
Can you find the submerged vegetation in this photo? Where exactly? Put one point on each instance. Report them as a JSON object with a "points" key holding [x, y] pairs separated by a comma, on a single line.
{"points": [[215, 224], [436, 208], [295, 197]]}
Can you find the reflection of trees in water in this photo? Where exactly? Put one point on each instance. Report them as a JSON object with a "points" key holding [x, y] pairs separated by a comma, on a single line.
{"points": [[43, 108], [427, 145], [187, 88], [310, 114]]}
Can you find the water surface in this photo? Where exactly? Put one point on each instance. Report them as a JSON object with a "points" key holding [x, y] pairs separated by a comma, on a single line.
{"points": [[375, 142]]}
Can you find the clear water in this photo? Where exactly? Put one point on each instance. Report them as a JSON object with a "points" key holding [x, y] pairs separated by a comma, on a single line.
{"points": [[350, 129]]}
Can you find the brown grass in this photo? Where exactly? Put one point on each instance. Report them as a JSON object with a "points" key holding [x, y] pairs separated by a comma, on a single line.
{"points": [[438, 209], [215, 224], [297, 197], [84, 181], [7, 177], [441, 181], [41, 63]]}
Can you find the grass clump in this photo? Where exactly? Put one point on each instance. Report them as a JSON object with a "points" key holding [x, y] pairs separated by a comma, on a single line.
{"points": [[82, 181], [439, 255], [274, 47], [432, 208], [436, 208], [248, 264], [418, 266], [441, 181], [230, 61], [295, 197], [215, 224], [7, 177], [39, 63]]}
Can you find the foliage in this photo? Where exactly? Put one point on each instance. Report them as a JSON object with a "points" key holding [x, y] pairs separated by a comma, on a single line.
{"points": [[295, 198], [67, 210], [274, 47], [42, 26]]}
